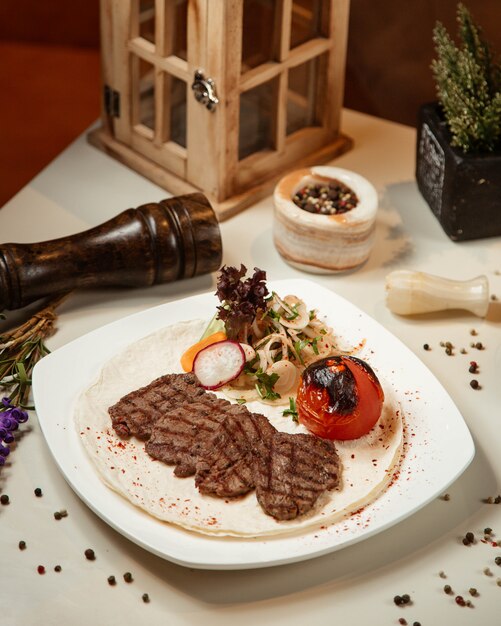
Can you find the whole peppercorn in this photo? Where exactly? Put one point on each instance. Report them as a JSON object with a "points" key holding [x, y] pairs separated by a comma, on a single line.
{"points": [[57, 515], [112, 580], [497, 560], [460, 600], [38, 492], [4, 499], [426, 346], [22, 545], [448, 589], [474, 384], [145, 597], [470, 536], [128, 577], [473, 367], [398, 600], [41, 569], [402, 621], [487, 531], [479, 345], [473, 591], [57, 568], [406, 598], [89, 554]]}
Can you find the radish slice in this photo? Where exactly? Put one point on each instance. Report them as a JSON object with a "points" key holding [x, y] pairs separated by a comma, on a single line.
{"points": [[219, 363]]}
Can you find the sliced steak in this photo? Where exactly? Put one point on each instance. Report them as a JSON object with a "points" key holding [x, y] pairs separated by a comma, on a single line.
{"points": [[137, 412], [289, 472], [226, 466], [179, 436], [230, 450], [292, 473]]}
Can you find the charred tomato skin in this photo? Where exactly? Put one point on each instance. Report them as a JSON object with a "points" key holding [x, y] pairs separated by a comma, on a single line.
{"points": [[339, 397]]}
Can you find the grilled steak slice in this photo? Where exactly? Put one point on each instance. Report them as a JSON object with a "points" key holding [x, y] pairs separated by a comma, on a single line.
{"points": [[231, 450], [178, 437], [137, 412], [226, 465], [292, 473]]}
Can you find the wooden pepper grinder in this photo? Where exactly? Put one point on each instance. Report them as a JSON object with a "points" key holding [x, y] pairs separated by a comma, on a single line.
{"points": [[155, 243]]}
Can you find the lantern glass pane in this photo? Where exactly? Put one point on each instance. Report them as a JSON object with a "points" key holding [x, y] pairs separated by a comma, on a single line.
{"points": [[180, 30], [302, 96], [257, 118], [258, 33], [146, 87], [177, 111], [147, 20], [306, 21]]}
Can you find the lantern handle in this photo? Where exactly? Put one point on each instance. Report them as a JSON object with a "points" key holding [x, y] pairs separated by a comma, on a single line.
{"points": [[204, 90]]}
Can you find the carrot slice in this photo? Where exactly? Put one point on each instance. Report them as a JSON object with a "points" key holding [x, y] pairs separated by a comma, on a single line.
{"points": [[190, 354]]}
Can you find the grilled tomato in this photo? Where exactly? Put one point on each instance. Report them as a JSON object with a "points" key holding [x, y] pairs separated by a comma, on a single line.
{"points": [[339, 397]]}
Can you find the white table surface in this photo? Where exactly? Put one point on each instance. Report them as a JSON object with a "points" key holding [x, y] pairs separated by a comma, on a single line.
{"points": [[83, 188]]}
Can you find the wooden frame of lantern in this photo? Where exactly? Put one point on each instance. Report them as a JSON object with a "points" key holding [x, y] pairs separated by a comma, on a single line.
{"points": [[222, 96]]}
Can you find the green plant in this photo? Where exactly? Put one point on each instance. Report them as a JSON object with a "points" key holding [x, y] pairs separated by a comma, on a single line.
{"points": [[468, 81]]}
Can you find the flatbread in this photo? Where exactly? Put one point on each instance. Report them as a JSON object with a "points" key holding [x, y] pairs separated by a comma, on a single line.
{"points": [[368, 463]]}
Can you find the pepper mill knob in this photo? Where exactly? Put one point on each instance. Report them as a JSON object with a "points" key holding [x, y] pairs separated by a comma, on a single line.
{"points": [[409, 292], [156, 243]]}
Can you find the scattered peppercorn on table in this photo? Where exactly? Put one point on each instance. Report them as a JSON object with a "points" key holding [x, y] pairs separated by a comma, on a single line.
{"points": [[61, 564]]}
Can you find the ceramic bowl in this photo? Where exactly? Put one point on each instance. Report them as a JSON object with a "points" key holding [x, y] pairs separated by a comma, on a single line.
{"points": [[324, 244]]}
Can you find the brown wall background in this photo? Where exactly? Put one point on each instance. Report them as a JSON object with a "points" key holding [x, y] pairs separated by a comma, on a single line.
{"points": [[49, 70], [390, 50]]}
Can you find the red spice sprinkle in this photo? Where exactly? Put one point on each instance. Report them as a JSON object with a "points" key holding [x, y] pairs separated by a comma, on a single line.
{"points": [[460, 600]]}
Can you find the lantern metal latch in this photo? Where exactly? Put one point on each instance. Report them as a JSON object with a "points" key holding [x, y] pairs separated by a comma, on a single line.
{"points": [[204, 90]]}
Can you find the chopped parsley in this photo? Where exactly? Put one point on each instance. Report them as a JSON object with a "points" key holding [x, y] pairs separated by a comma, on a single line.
{"points": [[264, 385], [292, 411], [293, 314], [313, 343]]}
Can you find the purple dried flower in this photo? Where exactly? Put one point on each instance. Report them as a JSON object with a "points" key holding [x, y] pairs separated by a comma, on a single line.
{"points": [[10, 418]]}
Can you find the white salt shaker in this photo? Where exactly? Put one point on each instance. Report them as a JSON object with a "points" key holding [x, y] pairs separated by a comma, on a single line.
{"points": [[410, 292]]}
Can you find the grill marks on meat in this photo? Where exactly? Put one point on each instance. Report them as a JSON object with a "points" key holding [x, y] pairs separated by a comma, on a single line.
{"points": [[229, 450], [180, 435], [295, 471], [289, 472], [226, 468], [138, 411]]}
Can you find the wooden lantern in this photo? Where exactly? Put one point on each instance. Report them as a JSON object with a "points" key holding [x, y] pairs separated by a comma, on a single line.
{"points": [[222, 96]]}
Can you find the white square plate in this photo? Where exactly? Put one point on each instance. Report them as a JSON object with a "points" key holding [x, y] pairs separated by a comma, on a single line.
{"points": [[438, 445]]}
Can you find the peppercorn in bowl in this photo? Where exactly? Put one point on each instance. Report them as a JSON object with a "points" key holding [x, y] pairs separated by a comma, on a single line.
{"points": [[324, 219]]}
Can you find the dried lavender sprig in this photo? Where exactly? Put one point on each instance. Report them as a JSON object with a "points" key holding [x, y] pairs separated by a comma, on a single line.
{"points": [[21, 348], [10, 418]]}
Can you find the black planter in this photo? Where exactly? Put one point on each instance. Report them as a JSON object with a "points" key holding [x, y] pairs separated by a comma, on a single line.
{"points": [[463, 190]]}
